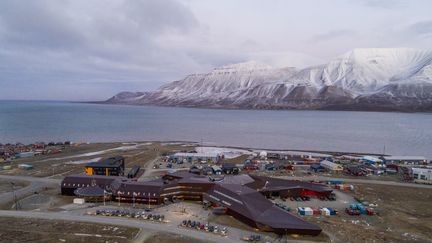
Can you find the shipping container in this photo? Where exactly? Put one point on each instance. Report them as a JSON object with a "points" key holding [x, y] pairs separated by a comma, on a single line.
{"points": [[78, 201], [308, 211], [300, 211]]}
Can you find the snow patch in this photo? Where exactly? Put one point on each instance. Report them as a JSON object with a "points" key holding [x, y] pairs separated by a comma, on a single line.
{"points": [[228, 153]]}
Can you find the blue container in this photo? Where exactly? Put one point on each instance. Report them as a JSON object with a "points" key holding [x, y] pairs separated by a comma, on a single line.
{"points": [[332, 211], [334, 182], [301, 211]]}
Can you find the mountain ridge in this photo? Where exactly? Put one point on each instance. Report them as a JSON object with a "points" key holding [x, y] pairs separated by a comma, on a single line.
{"points": [[387, 79]]}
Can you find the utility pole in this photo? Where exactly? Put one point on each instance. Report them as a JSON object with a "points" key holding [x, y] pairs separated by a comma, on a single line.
{"points": [[14, 196], [133, 199]]}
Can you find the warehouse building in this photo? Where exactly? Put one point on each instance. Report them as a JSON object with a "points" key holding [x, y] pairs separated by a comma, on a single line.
{"points": [[275, 187], [114, 166], [407, 160], [331, 166], [422, 174]]}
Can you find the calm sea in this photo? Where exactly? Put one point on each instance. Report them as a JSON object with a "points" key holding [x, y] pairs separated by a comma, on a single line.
{"points": [[400, 133]]}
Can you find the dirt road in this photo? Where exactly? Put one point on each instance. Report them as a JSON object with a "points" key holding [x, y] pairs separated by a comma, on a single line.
{"points": [[168, 228]]}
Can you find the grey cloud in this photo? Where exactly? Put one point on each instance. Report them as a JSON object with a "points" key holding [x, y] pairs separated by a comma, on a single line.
{"points": [[384, 4], [44, 42], [334, 34], [422, 28]]}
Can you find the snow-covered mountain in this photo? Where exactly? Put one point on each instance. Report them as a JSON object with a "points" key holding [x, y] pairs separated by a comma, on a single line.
{"points": [[362, 79]]}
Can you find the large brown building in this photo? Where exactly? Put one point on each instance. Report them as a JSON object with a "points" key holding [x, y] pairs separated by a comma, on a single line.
{"points": [[243, 196]]}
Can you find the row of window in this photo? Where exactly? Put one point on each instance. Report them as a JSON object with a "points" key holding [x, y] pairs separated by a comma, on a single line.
{"points": [[77, 185], [422, 177], [179, 192], [136, 193]]}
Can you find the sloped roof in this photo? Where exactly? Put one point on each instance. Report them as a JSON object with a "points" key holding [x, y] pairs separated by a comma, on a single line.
{"points": [[271, 184], [253, 205], [115, 161]]}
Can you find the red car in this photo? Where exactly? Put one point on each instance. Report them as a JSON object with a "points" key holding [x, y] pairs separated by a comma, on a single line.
{"points": [[352, 211]]}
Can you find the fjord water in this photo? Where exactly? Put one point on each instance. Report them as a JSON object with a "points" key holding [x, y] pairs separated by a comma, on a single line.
{"points": [[400, 133]]}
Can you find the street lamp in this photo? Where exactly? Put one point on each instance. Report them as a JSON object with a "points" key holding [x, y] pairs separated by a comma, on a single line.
{"points": [[14, 195]]}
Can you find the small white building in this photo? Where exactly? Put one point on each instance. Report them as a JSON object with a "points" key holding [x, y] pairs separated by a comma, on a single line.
{"points": [[79, 201], [424, 174], [263, 154]]}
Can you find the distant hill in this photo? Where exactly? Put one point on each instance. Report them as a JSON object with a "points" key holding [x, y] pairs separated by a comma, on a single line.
{"points": [[379, 79]]}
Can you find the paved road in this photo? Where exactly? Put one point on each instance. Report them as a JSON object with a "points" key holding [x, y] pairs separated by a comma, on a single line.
{"points": [[36, 185], [149, 170], [167, 228], [361, 181], [46, 180]]}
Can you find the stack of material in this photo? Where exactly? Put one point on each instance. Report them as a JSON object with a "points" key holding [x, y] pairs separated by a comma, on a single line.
{"points": [[325, 212], [345, 187]]}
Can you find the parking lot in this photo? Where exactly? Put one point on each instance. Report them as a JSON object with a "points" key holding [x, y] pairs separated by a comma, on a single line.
{"points": [[130, 213], [343, 200]]}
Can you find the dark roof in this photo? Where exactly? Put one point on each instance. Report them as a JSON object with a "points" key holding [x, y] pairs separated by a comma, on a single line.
{"points": [[274, 184], [91, 191], [253, 205], [246, 200], [85, 179], [229, 166], [115, 161]]}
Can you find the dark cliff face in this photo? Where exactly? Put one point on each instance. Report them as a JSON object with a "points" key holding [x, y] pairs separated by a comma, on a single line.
{"points": [[405, 98]]}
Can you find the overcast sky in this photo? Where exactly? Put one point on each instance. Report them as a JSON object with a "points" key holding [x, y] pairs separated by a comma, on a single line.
{"points": [[92, 49]]}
